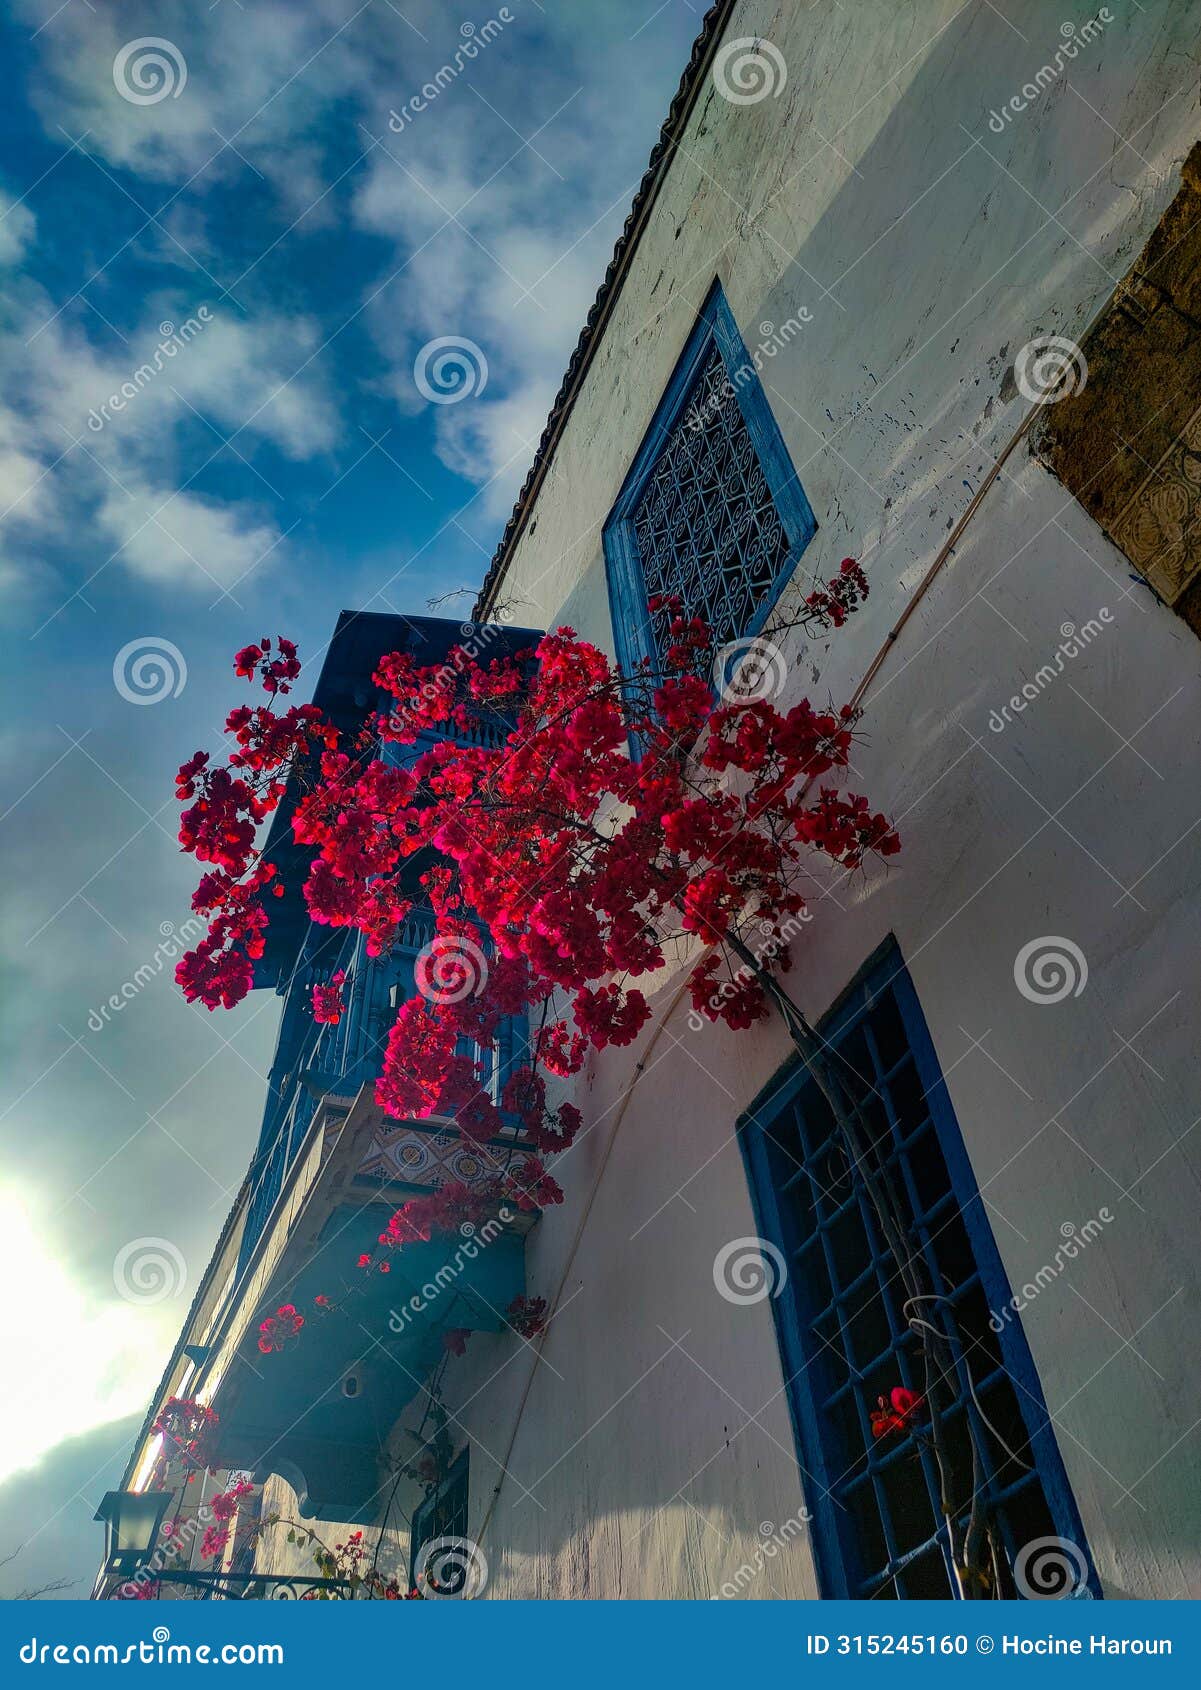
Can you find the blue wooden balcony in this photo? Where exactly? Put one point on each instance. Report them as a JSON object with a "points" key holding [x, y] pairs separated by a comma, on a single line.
{"points": [[317, 1410], [314, 1061]]}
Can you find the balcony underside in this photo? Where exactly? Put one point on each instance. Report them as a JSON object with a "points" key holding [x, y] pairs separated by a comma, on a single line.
{"points": [[318, 1411]]}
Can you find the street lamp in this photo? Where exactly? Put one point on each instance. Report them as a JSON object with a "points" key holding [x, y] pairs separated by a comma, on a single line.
{"points": [[131, 1524]]}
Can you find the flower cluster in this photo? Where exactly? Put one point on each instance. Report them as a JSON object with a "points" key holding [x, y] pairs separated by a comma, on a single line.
{"points": [[225, 808], [350, 1561], [897, 1413], [188, 1429], [328, 1005], [224, 1509], [278, 1328], [527, 1316], [225, 1506], [834, 602], [276, 673], [557, 868]]}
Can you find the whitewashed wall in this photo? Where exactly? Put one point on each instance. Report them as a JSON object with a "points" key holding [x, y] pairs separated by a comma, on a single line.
{"points": [[655, 1439]]}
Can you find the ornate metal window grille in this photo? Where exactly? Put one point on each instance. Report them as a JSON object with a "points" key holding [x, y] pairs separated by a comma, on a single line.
{"points": [[845, 1341], [706, 525], [711, 510]]}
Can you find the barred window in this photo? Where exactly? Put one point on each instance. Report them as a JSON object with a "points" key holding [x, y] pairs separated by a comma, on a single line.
{"points": [[712, 510], [845, 1341], [442, 1515]]}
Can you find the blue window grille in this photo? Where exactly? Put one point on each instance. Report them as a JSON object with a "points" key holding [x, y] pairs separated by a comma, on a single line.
{"points": [[711, 510], [442, 1514], [845, 1342]]}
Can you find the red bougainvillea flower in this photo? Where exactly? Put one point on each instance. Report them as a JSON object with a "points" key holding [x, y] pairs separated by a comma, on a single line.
{"points": [[555, 868], [278, 1328], [225, 1506], [527, 1316], [898, 1413], [328, 1004], [214, 1542], [187, 1428]]}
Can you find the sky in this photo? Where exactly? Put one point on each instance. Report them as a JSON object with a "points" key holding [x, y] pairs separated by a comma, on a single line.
{"points": [[350, 315]]}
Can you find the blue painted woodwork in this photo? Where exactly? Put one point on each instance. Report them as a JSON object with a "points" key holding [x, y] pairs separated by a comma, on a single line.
{"points": [[843, 1338], [711, 509], [311, 1059], [293, 1414]]}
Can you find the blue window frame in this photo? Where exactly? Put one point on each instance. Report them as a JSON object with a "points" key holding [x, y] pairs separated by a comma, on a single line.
{"points": [[843, 1336], [712, 509], [442, 1514]]}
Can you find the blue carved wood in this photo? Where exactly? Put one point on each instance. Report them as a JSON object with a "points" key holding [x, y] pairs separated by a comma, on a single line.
{"points": [[311, 1058]]}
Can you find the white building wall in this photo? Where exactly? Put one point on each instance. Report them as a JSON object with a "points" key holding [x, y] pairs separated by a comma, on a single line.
{"points": [[654, 1439]]}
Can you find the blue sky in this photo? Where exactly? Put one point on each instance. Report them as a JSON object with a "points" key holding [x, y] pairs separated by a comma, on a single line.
{"points": [[282, 463]]}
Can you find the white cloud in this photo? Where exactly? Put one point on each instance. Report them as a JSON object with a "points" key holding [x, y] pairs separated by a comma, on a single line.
{"points": [[528, 230], [180, 539], [75, 1355], [17, 224], [255, 374], [21, 484], [69, 460], [492, 239], [234, 72]]}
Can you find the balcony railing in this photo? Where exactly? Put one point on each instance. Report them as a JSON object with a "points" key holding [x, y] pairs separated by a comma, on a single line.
{"points": [[317, 1062]]}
